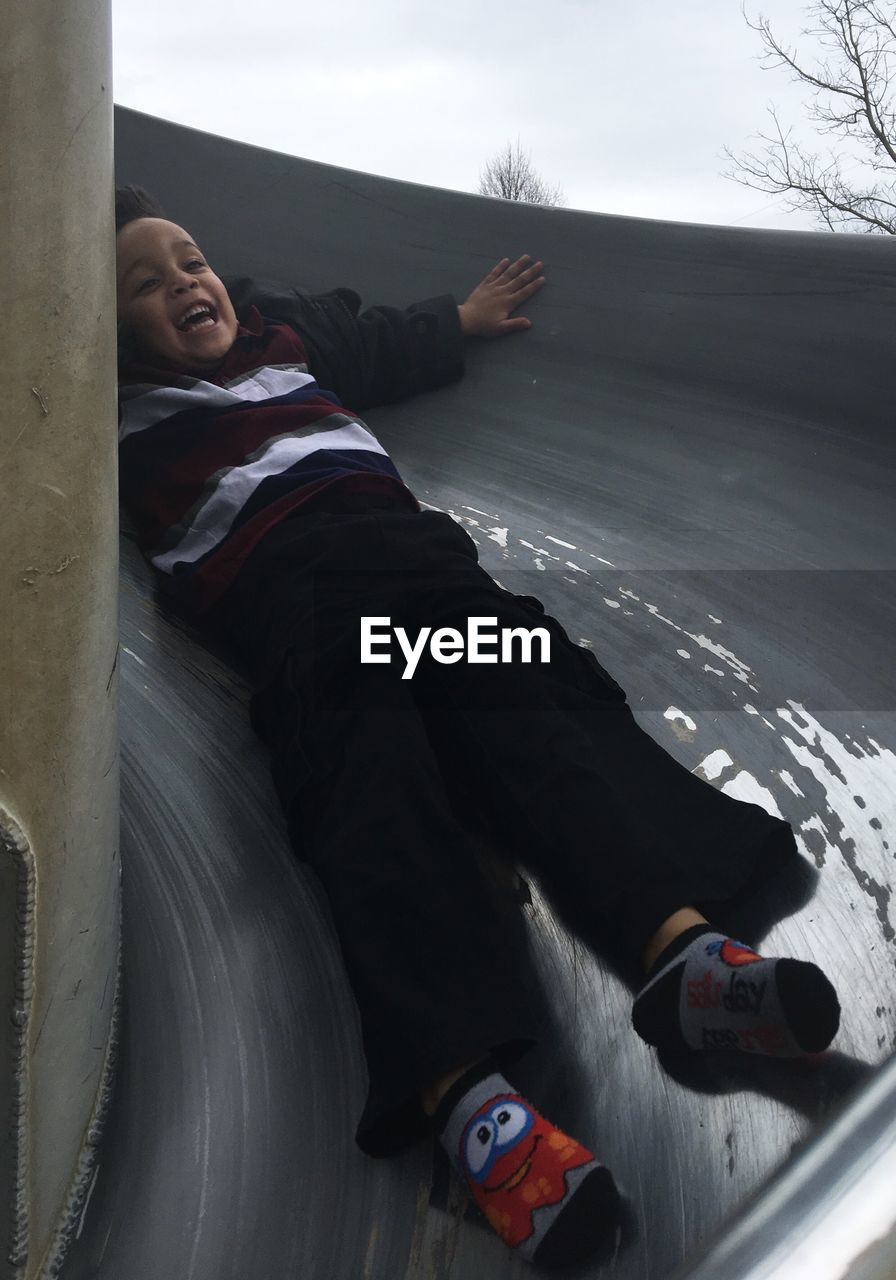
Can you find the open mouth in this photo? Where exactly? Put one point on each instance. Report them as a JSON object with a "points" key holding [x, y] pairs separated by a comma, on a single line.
{"points": [[520, 1172], [201, 319]]}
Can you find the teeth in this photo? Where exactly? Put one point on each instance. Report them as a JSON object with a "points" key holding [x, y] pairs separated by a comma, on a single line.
{"points": [[195, 311]]}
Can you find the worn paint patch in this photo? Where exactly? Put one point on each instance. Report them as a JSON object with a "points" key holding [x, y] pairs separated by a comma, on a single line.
{"points": [[677, 717], [752, 711], [745, 786], [737, 667], [789, 781], [714, 765], [859, 802]]}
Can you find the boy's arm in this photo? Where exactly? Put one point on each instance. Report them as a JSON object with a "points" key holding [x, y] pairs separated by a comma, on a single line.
{"points": [[367, 358], [385, 354]]}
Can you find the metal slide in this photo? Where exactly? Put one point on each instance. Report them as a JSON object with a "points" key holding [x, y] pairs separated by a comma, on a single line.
{"points": [[690, 461]]}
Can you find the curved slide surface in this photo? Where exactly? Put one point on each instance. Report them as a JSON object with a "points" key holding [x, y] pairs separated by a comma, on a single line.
{"points": [[690, 461]]}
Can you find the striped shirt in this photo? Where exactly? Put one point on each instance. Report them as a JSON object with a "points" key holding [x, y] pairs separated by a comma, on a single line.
{"points": [[208, 464]]}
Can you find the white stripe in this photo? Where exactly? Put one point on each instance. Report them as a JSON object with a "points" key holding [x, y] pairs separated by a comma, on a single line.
{"points": [[145, 405], [211, 523], [269, 380]]}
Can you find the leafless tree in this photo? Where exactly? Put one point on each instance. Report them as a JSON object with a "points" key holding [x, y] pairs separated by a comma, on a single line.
{"points": [[509, 174], [851, 100]]}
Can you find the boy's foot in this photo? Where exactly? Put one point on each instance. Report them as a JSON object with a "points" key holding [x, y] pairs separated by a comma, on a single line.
{"points": [[545, 1194], [707, 991]]}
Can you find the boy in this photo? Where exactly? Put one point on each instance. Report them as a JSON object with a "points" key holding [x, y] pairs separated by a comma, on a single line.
{"points": [[276, 520]]}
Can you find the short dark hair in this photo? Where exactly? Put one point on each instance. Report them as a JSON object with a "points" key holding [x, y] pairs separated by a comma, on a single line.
{"points": [[133, 202]]}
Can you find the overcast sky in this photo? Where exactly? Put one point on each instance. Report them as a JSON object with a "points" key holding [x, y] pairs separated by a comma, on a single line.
{"points": [[626, 106]]}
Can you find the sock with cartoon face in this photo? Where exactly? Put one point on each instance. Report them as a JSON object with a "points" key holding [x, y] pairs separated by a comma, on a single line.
{"points": [[547, 1197], [707, 991]]}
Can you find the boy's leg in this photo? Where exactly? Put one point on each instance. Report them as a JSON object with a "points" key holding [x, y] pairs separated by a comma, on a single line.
{"points": [[617, 881], [424, 936], [430, 964]]}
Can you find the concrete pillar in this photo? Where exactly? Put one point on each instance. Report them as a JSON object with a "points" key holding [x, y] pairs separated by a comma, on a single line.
{"points": [[59, 867]]}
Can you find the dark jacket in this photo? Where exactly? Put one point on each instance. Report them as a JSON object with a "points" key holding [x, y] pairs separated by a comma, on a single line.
{"points": [[378, 356]]}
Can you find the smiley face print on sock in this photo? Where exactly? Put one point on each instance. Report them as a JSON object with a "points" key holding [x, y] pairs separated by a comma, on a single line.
{"points": [[515, 1162]]}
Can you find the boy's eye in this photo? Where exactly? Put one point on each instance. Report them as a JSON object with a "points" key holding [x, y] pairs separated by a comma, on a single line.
{"points": [[194, 262]]}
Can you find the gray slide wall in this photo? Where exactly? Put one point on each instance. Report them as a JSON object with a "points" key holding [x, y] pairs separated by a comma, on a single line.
{"points": [[689, 460]]}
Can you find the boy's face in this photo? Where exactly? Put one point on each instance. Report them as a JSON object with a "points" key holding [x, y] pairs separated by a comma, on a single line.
{"points": [[161, 276]]}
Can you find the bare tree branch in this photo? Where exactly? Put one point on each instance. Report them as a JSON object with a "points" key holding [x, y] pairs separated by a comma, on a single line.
{"points": [[510, 176], [852, 98]]}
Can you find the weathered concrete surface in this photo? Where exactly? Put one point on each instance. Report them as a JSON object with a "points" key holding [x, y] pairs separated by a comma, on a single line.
{"points": [[59, 785]]}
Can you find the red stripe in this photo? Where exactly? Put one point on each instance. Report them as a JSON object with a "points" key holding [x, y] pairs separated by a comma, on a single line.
{"points": [[210, 581], [168, 492]]}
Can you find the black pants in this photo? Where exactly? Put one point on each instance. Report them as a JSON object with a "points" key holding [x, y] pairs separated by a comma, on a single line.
{"points": [[371, 770]]}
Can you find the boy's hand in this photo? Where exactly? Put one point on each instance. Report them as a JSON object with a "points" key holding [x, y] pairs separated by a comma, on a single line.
{"points": [[485, 313]]}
